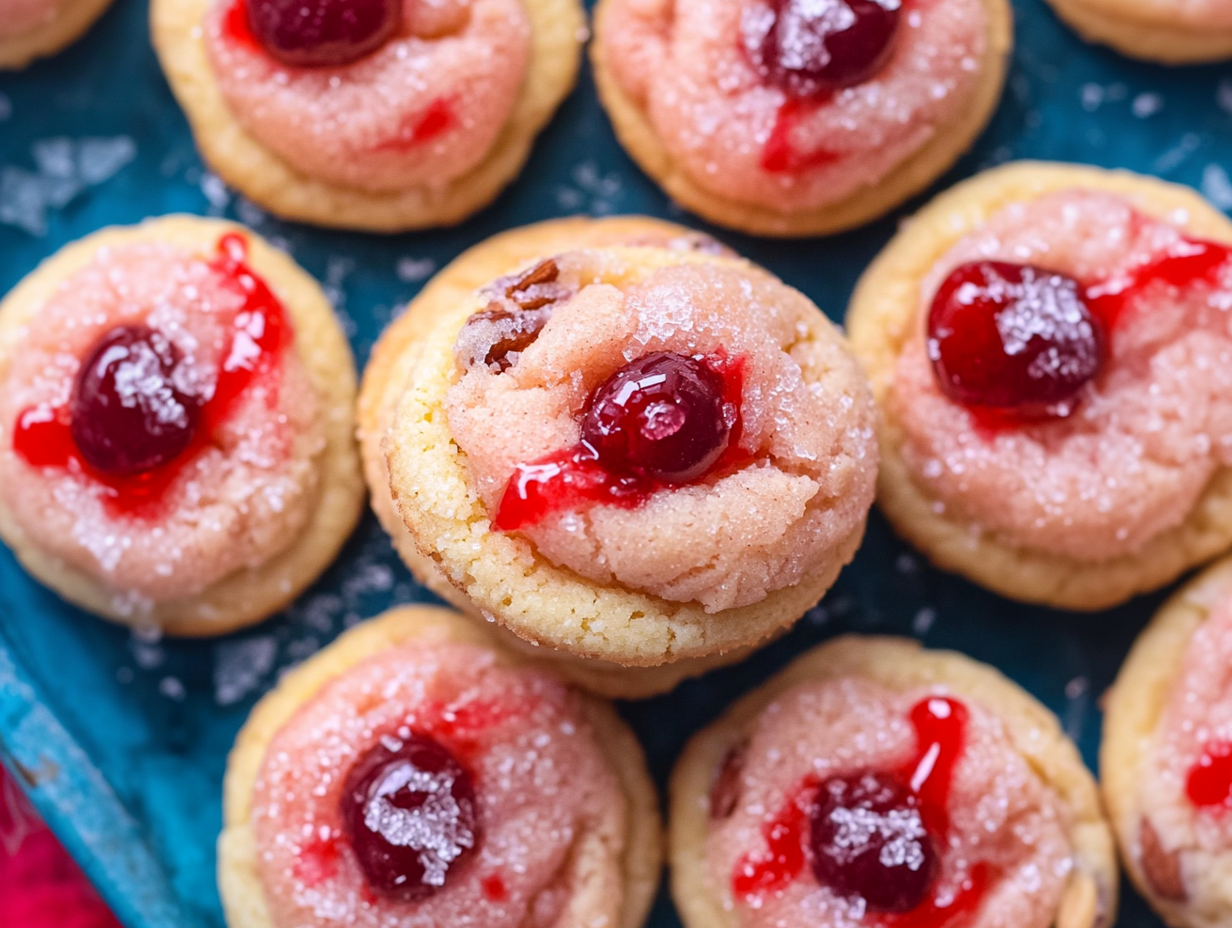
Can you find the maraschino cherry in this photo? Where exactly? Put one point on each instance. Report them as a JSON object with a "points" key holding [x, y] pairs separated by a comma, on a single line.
{"points": [[129, 412], [869, 841], [1013, 337], [409, 811], [313, 33], [815, 47], [661, 416]]}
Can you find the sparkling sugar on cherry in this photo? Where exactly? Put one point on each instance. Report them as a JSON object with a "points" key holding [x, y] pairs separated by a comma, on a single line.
{"points": [[130, 410], [1014, 337], [869, 841], [812, 48], [320, 33], [410, 815]]}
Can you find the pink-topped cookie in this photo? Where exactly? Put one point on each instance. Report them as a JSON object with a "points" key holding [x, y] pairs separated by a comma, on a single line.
{"points": [[175, 413], [31, 29], [638, 454], [872, 783], [1050, 365], [380, 114], [794, 118], [417, 773], [1166, 759]]}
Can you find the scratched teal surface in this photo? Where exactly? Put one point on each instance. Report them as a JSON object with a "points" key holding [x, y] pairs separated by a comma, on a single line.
{"points": [[123, 741]]}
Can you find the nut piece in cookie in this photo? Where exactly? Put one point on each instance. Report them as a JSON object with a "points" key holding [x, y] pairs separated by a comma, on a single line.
{"points": [[174, 426], [633, 454], [380, 114], [873, 783], [791, 118], [476, 789], [1046, 345], [1166, 759]]}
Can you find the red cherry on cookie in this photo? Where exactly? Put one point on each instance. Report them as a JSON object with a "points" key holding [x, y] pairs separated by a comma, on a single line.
{"points": [[1013, 337], [813, 47], [409, 811], [309, 33], [869, 842], [128, 413], [662, 416]]}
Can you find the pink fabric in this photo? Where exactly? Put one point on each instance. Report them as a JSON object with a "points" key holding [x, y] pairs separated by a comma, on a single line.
{"points": [[40, 886]]}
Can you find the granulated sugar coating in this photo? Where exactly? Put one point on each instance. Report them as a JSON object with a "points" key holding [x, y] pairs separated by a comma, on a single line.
{"points": [[1144, 437], [420, 111], [18, 17], [549, 808], [1003, 819], [686, 65], [1198, 713], [237, 503], [728, 540]]}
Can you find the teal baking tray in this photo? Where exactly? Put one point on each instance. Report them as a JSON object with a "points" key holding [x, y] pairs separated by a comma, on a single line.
{"points": [[121, 741]]}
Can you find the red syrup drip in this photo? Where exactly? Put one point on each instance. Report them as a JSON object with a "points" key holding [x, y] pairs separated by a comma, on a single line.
{"points": [[940, 725], [1185, 264], [420, 128], [780, 156], [42, 436], [494, 888], [317, 862], [579, 475], [237, 28], [1209, 784]]}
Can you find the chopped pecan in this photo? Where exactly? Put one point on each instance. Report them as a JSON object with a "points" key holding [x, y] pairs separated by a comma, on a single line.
{"points": [[725, 790], [518, 309], [1161, 866]]}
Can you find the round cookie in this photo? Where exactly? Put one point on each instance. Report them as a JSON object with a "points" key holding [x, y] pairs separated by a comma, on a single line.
{"points": [[1166, 31], [849, 679], [557, 27], [1176, 852], [69, 19], [881, 322], [321, 353], [394, 357], [924, 165], [640, 859], [508, 579]]}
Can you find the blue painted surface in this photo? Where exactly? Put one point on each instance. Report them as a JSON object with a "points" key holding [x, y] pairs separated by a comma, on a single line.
{"points": [[122, 742]]}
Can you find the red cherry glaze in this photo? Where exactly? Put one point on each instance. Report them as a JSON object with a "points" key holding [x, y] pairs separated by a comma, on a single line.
{"points": [[318, 862], [494, 888], [1185, 264], [1209, 784], [409, 812], [780, 155], [127, 414], [1013, 337], [663, 420], [422, 127], [815, 47], [783, 859], [322, 33], [844, 825], [45, 437]]}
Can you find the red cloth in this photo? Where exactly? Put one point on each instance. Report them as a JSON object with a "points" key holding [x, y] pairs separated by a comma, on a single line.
{"points": [[40, 886]]}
